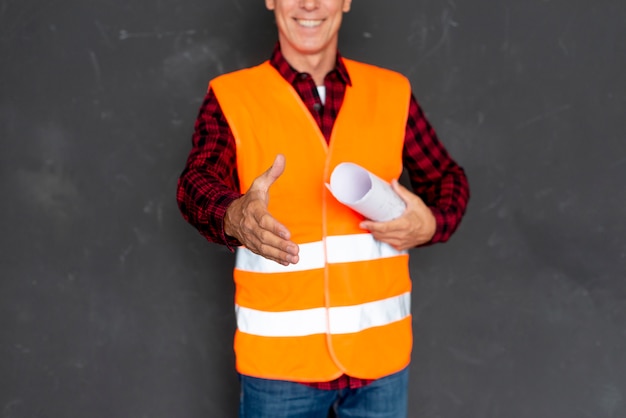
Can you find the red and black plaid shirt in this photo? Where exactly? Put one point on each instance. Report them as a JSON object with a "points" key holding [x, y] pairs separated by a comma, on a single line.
{"points": [[209, 182]]}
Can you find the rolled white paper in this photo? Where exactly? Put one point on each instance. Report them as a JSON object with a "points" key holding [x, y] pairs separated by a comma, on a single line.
{"points": [[365, 192]]}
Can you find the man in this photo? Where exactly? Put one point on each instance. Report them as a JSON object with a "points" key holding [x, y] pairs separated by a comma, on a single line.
{"points": [[322, 294]]}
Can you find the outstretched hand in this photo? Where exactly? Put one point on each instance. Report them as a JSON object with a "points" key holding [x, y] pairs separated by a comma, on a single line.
{"points": [[249, 221], [414, 227]]}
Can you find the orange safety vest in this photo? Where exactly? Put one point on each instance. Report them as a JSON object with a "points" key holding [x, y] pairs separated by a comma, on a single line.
{"points": [[345, 306]]}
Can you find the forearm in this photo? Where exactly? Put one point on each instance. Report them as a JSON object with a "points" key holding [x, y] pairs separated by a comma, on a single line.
{"points": [[209, 182], [447, 198], [203, 200], [434, 175]]}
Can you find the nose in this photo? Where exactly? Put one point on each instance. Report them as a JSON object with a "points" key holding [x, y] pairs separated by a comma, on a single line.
{"points": [[309, 4]]}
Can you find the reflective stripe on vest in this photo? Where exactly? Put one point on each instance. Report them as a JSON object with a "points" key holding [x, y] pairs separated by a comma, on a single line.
{"points": [[337, 320], [339, 249]]}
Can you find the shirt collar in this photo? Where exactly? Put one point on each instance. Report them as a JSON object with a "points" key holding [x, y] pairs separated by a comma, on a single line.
{"points": [[279, 62]]}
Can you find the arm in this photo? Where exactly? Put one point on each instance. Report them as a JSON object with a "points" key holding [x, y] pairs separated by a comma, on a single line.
{"points": [[208, 194], [209, 182], [440, 190]]}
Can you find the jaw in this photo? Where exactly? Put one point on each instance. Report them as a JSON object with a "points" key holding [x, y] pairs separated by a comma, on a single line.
{"points": [[309, 40]]}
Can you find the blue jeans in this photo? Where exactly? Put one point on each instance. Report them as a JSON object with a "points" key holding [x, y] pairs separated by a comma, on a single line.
{"points": [[384, 398]]}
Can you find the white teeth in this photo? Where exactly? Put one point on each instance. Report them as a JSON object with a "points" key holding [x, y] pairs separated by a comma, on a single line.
{"points": [[309, 23]]}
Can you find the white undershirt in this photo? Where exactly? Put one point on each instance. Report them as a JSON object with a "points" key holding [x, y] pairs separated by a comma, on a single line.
{"points": [[321, 91]]}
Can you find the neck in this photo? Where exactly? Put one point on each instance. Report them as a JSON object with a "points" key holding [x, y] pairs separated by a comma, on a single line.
{"points": [[317, 65]]}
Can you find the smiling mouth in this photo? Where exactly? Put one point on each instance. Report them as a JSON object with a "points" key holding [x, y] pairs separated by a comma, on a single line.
{"points": [[309, 23]]}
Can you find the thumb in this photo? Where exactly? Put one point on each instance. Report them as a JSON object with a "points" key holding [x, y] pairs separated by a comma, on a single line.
{"points": [[402, 191], [265, 180], [410, 198]]}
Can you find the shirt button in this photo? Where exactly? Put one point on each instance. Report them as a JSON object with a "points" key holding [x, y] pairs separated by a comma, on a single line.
{"points": [[303, 76]]}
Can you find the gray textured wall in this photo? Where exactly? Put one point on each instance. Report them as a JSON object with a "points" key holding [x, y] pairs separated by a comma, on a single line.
{"points": [[111, 306]]}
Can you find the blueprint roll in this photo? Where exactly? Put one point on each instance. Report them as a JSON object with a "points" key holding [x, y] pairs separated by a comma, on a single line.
{"points": [[364, 192]]}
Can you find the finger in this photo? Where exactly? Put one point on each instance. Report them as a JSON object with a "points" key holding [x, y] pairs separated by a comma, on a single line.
{"points": [[269, 223], [388, 237], [266, 230], [276, 254], [395, 242], [373, 227], [367, 225], [281, 230], [270, 240], [383, 227], [276, 249]]}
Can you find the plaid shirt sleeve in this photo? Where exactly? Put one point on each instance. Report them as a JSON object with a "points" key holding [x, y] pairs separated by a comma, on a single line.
{"points": [[209, 182], [435, 177]]}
